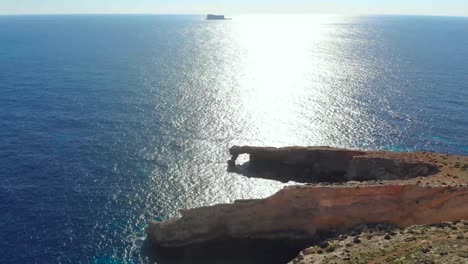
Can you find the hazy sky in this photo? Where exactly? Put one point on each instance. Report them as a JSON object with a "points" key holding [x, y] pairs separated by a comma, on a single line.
{"points": [[422, 7]]}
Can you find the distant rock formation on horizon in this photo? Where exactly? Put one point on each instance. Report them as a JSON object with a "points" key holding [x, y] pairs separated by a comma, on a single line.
{"points": [[215, 17]]}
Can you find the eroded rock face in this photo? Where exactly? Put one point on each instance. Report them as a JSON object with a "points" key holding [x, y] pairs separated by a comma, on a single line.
{"points": [[324, 164], [298, 213], [366, 168]]}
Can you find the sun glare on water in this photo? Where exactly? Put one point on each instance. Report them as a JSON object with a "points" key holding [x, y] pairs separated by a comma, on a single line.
{"points": [[283, 73]]}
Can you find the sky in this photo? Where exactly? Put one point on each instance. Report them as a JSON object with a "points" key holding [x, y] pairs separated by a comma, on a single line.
{"points": [[416, 7]]}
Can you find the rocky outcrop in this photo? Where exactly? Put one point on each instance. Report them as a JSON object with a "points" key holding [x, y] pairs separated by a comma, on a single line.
{"points": [[345, 188], [324, 164], [299, 213], [365, 168]]}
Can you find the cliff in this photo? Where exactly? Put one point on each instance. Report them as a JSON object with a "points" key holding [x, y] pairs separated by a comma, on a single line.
{"points": [[324, 164], [345, 188]]}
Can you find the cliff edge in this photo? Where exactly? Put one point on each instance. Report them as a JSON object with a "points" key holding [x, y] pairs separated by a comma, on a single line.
{"points": [[344, 189]]}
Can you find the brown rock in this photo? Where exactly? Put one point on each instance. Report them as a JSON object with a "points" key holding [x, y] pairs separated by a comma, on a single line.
{"points": [[400, 189], [298, 213], [324, 164]]}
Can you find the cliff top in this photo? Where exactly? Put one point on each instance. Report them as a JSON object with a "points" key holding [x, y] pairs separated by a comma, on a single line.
{"points": [[439, 243]]}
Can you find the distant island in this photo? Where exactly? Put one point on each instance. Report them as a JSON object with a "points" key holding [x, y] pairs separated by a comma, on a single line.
{"points": [[215, 17]]}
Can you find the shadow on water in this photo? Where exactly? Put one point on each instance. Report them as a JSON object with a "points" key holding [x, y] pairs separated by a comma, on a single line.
{"points": [[245, 251]]}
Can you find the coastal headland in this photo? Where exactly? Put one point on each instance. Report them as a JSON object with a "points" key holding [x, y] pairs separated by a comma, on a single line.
{"points": [[341, 190]]}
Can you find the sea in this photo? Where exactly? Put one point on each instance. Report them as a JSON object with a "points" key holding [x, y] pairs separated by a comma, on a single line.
{"points": [[110, 121]]}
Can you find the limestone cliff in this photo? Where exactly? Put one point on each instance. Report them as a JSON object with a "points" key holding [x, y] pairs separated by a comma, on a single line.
{"points": [[345, 188], [299, 212]]}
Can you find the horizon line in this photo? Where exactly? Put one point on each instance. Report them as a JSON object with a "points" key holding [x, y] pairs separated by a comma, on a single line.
{"points": [[204, 14]]}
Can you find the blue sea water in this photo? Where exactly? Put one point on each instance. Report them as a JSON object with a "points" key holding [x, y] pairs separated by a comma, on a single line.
{"points": [[110, 121]]}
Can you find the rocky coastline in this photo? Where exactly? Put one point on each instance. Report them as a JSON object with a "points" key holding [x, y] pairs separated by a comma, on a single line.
{"points": [[341, 189]]}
